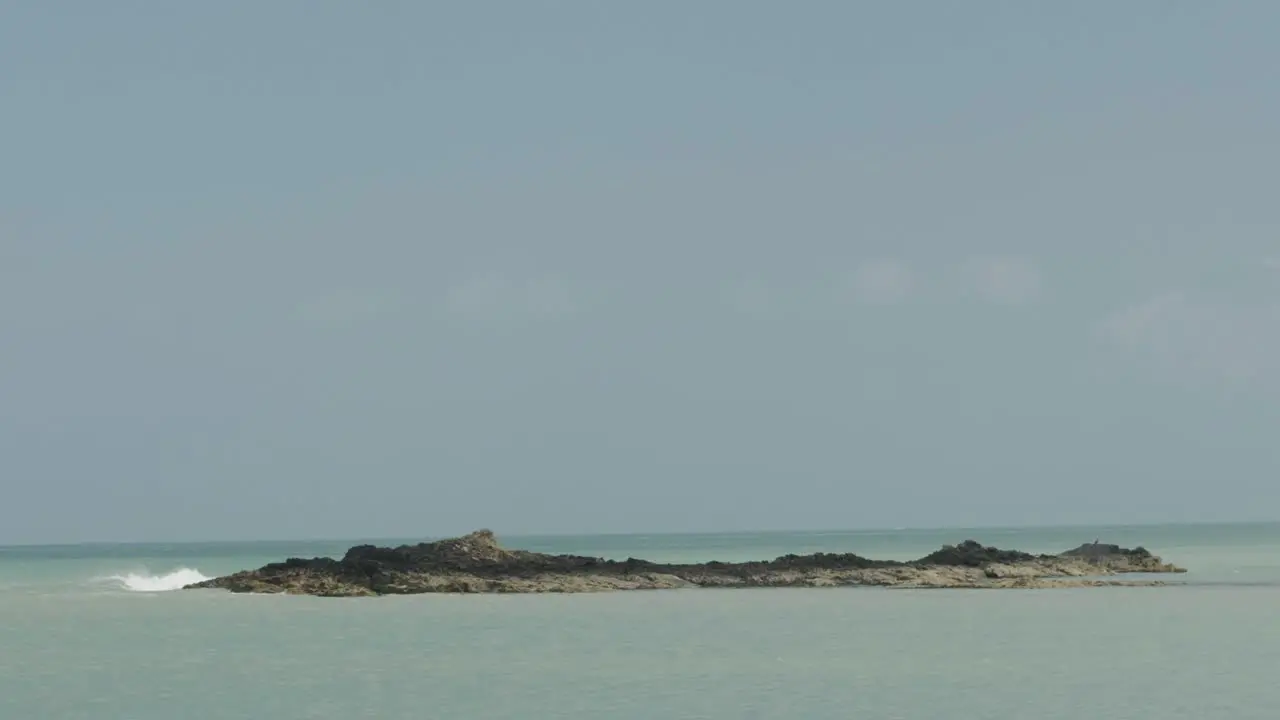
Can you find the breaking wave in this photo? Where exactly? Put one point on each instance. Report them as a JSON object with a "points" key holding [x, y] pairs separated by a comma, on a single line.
{"points": [[175, 580]]}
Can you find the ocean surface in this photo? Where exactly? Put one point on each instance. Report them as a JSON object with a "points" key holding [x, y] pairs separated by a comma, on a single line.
{"points": [[101, 632]]}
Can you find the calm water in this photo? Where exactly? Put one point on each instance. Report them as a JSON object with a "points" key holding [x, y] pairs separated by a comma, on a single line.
{"points": [[89, 632]]}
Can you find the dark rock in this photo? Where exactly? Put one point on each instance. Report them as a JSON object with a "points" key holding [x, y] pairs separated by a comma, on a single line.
{"points": [[971, 553], [1098, 550], [828, 561]]}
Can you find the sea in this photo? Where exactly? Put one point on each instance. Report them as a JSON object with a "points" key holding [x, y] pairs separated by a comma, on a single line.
{"points": [[104, 632]]}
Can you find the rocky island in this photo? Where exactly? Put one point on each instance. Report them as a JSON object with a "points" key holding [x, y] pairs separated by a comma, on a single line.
{"points": [[476, 563]]}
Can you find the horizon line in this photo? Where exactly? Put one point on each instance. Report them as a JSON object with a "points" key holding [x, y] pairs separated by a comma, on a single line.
{"points": [[615, 534]]}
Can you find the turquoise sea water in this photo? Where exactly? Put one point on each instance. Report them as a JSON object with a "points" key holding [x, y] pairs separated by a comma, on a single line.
{"points": [[94, 632]]}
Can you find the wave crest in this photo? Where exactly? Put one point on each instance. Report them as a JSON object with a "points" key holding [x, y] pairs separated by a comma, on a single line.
{"points": [[175, 580]]}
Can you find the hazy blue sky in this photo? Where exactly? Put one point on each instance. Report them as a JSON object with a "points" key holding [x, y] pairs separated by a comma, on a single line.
{"points": [[299, 269]]}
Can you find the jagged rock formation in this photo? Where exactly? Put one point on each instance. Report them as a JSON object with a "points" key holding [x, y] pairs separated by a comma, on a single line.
{"points": [[476, 563]]}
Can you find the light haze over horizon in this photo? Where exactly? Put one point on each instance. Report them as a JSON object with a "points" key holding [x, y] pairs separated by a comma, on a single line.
{"points": [[322, 269]]}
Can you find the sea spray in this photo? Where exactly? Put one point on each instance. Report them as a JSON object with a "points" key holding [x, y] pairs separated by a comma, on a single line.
{"points": [[175, 580]]}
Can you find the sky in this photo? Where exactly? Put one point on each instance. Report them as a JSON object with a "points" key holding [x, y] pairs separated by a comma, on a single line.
{"points": [[333, 269]]}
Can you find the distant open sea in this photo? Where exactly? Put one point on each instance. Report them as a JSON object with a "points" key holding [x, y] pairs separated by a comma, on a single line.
{"points": [[99, 632]]}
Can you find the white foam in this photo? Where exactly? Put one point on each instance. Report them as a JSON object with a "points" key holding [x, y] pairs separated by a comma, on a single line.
{"points": [[175, 580]]}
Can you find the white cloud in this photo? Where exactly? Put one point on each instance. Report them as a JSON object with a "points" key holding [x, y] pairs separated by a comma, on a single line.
{"points": [[497, 293], [882, 282], [1002, 280], [1175, 334]]}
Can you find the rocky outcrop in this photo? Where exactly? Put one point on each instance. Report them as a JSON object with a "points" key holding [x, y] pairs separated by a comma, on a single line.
{"points": [[476, 563], [1118, 559]]}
